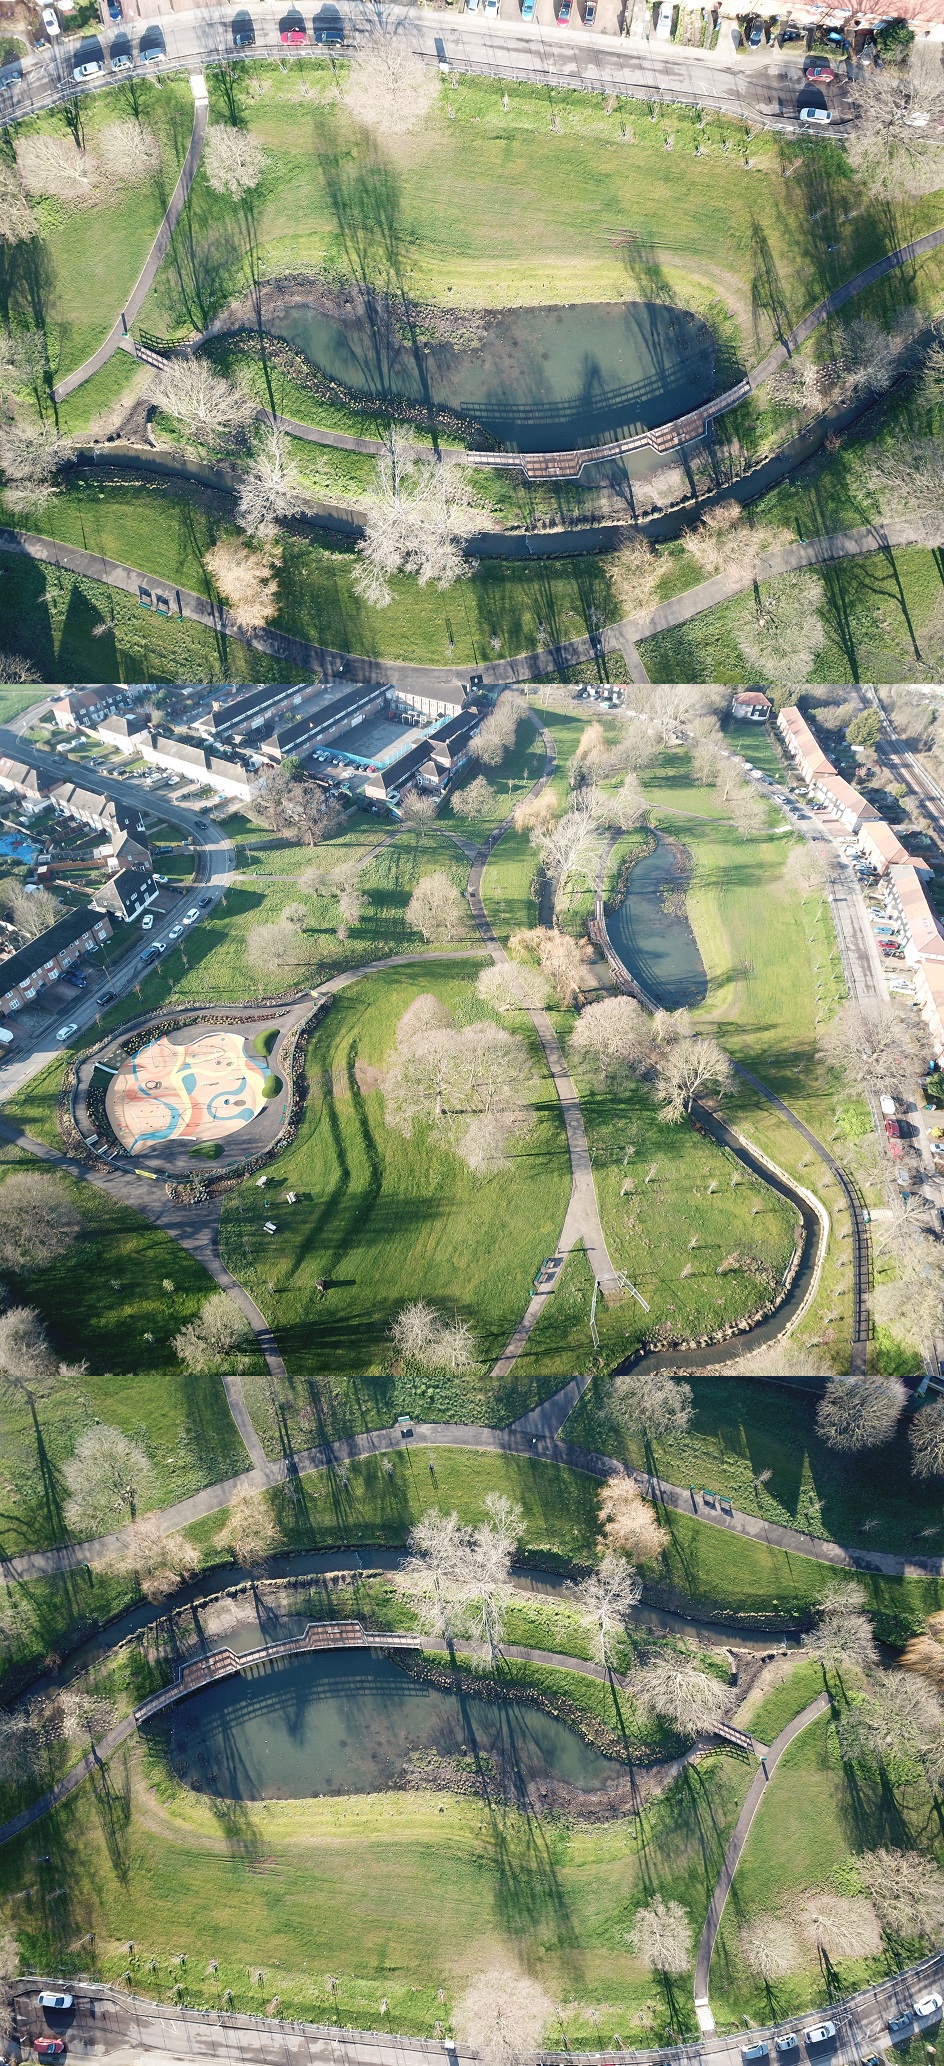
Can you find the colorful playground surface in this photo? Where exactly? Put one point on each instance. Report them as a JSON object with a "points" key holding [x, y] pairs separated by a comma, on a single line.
{"points": [[202, 1089]]}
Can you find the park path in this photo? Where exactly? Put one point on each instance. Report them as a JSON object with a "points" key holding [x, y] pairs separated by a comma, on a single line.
{"points": [[885, 535], [736, 1843], [513, 1441], [146, 277]]}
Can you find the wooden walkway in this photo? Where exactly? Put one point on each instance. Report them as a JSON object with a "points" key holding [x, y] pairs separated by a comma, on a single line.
{"points": [[224, 1664]]}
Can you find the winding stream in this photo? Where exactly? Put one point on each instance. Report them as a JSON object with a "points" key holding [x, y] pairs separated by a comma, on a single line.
{"points": [[650, 929]]}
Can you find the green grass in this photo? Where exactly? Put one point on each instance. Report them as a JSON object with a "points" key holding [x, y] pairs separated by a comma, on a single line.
{"points": [[385, 1220], [814, 1819], [802, 1682], [94, 254]]}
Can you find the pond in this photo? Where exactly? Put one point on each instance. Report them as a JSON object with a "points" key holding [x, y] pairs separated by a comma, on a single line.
{"points": [[353, 1722], [537, 379], [650, 930]]}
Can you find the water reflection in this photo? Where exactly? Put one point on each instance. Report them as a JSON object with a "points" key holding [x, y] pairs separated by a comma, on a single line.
{"points": [[350, 1723]]}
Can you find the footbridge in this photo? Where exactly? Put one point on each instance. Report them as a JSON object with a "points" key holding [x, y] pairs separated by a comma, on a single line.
{"points": [[224, 1664]]}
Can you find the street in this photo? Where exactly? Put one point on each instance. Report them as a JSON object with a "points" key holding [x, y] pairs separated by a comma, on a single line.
{"points": [[764, 86], [215, 863]]}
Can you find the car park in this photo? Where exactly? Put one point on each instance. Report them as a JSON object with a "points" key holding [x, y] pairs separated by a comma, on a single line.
{"points": [[821, 2033], [48, 1999], [814, 114], [64, 1033], [88, 68]]}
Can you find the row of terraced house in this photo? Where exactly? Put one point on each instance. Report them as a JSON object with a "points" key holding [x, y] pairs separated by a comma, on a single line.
{"points": [[906, 877]]}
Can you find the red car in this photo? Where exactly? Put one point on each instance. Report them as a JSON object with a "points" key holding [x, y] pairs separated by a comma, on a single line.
{"points": [[293, 31], [49, 2048], [817, 68], [893, 1129]]}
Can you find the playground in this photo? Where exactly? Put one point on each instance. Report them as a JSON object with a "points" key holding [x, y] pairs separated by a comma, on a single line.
{"points": [[203, 1089]]}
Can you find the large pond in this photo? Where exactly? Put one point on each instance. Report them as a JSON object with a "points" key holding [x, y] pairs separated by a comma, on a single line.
{"points": [[538, 379], [354, 1723], [650, 929]]}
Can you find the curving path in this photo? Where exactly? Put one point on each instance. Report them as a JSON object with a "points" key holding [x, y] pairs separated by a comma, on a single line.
{"points": [[146, 277], [736, 1843], [622, 637]]}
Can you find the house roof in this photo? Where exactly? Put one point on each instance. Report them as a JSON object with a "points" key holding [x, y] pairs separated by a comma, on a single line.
{"points": [[796, 730], [125, 891], [878, 836], [918, 914], [849, 799], [28, 960], [754, 698]]}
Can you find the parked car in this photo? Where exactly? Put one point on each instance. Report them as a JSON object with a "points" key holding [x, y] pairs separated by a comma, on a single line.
{"points": [[492, 8], [244, 34], [114, 10], [108, 996], [893, 1129], [755, 34], [564, 9], [590, 14], [175, 932], [821, 2033], [791, 36], [664, 20], [190, 915], [815, 115], [527, 10], [761, 2050], [787, 2044], [52, 2000], [928, 2009], [147, 921], [148, 56], [293, 30], [329, 32], [49, 2047], [817, 68], [900, 2027], [89, 68]]}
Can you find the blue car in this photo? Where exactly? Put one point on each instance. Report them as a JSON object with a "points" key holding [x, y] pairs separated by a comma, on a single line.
{"points": [[527, 10]]}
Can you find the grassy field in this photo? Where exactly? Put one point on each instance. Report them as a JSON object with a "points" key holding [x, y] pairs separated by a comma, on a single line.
{"points": [[94, 251], [814, 1819], [394, 1895], [384, 1220]]}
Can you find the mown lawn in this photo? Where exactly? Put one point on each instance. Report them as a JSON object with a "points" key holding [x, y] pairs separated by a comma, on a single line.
{"points": [[814, 1819], [393, 1895], [386, 1220]]}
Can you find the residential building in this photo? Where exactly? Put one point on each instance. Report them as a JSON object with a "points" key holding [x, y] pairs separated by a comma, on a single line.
{"points": [[803, 746], [241, 713], [90, 807], [123, 730], [327, 719], [81, 710], [751, 706], [199, 764], [853, 809], [127, 894], [41, 962], [883, 847], [25, 783]]}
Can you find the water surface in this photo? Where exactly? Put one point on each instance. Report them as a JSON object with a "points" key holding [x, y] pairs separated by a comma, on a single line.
{"points": [[542, 379], [650, 929], [348, 1722]]}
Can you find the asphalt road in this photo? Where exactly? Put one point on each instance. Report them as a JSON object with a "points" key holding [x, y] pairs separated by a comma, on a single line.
{"points": [[216, 861], [764, 85], [105, 2023]]}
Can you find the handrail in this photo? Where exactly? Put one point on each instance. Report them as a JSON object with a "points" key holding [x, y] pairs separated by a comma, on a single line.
{"points": [[225, 1663]]}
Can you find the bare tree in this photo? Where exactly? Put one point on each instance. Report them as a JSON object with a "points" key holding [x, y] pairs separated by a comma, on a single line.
{"points": [[628, 1523], [857, 1413], [503, 2017], [475, 800], [108, 1477], [779, 630], [250, 1531], [650, 1403], [271, 490], [215, 412], [685, 1067], [429, 1343], [436, 909], [899, 111], [907, 1890], [389, 89], [536, 813], [570, 851], [769, 1948], [805, 872], [233, 160], [32, 911], [674, 1686], [661, 1937], [447, 1075], [613, 1035], [58, 166], [563, 959], [38, 1220], [417, 522], [876, 1047], [26, 1358], [907, 479], [843, 1631], [724, 540], [13, 668], [840, 1926], [18, 223], [9, 1966], [30, 457], [160, 1563], [209, 1340], [896, 1728], [129, 151], [292, 803], [433, 1572], [350, 909], [926, 1435], [629, 805], [487, 1570], [604, 1599], [925, 1653], [247, 581], [634, 572], [510, 986], [498, 731], [419, 806]]}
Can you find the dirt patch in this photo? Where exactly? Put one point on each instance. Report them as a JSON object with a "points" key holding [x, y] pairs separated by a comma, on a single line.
{"points": [[369, 1077]]}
